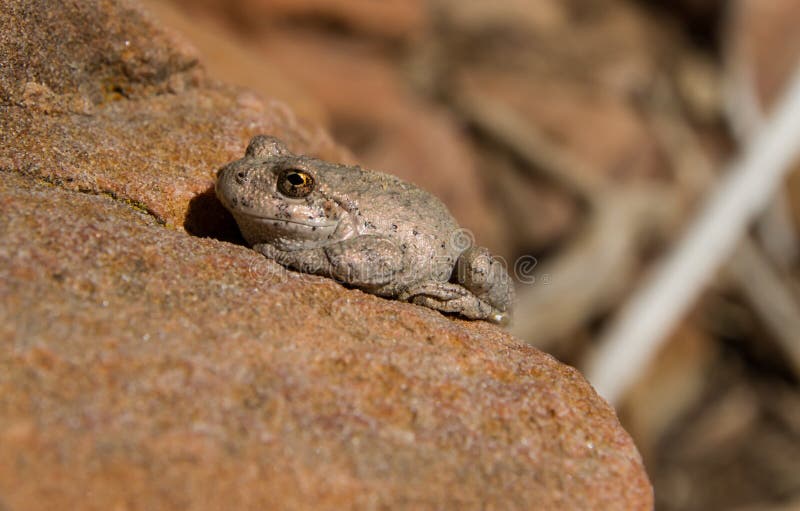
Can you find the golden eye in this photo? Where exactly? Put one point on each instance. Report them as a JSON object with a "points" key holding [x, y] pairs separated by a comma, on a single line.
{"points": [[295, 183]]}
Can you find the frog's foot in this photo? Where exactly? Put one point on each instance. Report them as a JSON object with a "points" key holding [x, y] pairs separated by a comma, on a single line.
{"points": [[454, 299], [313, 261]]}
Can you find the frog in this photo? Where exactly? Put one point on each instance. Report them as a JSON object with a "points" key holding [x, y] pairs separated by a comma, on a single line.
{"points": [[363, 228]]}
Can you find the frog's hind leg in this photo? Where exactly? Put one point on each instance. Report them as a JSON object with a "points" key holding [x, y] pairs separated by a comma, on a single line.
{"points": [[454, 299], [485, 277]]}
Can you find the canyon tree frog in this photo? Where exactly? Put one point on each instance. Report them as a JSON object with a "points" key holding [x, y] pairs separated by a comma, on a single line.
{"points": [[366, 229]]}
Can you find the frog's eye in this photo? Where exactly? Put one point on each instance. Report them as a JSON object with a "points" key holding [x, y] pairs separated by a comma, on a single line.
{"points": [[295, 183]]}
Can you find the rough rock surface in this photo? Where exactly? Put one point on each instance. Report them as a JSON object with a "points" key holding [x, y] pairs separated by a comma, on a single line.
{"points": [[142, 367]]}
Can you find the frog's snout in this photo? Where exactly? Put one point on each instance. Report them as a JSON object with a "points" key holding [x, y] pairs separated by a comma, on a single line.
{"points": [[231, 177], [225, 187], [223, 172]]}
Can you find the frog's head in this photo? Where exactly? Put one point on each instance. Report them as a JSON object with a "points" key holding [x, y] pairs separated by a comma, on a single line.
{"points": [[279, 198]]}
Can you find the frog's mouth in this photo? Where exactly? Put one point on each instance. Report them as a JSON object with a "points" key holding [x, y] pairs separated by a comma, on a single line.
{"points": [[316, 229], [286, 234], [296, 226], [277, 222]]}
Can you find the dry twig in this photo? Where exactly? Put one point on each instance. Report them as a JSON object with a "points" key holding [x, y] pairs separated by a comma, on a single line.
{"points": [[652, 312]]}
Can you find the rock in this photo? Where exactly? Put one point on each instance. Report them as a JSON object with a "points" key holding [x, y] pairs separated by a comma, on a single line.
{"points": [[142, 367], [129, 113]]}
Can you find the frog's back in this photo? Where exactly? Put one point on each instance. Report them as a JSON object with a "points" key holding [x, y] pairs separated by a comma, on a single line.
{"points": [[390, 207], [389, 201]]}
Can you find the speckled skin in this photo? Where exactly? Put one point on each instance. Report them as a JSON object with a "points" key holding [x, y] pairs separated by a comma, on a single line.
{"points": [[366, 229]]}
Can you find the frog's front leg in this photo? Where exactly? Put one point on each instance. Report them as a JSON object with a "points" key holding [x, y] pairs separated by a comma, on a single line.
{"points": [[312, 260], [455, 299], [367, 262]]}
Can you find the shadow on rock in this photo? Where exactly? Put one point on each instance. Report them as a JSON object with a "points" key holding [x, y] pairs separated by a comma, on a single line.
{"points": [[208, 218]]}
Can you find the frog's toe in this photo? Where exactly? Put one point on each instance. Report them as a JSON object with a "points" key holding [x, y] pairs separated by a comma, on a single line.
{"points": [[500, 318]]}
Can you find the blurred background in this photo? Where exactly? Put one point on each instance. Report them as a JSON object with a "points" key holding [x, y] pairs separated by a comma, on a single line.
{"points": [[580, 137]]}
